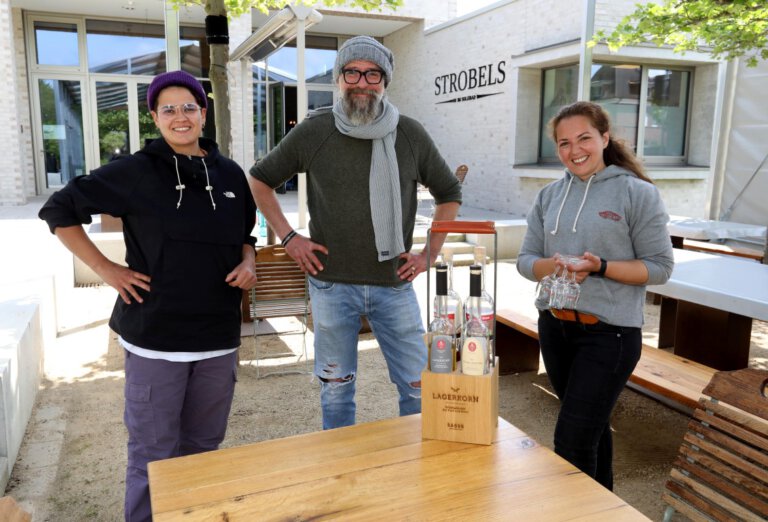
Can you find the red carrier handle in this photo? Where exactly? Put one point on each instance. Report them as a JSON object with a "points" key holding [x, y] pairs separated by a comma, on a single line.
{"points": [[463, 227]]}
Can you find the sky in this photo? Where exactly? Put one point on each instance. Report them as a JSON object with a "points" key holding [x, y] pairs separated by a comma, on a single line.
{"points": [[466, 6]]}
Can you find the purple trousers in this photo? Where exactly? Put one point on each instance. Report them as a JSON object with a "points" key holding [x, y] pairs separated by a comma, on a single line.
{"points": [[172, 409]]}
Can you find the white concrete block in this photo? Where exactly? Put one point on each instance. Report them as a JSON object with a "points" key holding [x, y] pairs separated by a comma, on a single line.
{"points": [[21, 370]]}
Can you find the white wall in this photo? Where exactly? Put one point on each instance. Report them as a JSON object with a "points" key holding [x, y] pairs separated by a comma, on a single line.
{"points": [[498, 135]]}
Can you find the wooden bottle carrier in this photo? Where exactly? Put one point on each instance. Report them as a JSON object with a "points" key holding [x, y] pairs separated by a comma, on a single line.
{"points": [[454, 406]]}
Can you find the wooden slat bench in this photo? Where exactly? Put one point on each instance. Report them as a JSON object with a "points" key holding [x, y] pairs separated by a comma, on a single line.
{"points": [[716, 248], [721, 472], [673, 380]]}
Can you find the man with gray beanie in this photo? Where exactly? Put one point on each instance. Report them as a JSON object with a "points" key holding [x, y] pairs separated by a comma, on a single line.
{"points": [[363, 161]]}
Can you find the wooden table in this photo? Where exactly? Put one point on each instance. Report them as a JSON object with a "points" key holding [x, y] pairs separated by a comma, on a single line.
{"points": [[680, 227], [709, 305], [380, 471]]}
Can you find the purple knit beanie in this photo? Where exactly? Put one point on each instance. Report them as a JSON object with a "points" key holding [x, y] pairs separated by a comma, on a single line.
{"points": [[176, 78]]}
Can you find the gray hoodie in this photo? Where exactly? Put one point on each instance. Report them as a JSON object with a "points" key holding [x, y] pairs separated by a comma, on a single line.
{"points": [[614, 215]]}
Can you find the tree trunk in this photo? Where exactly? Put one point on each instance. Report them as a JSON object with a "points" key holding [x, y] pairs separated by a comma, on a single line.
{"points": [[219, 85]]}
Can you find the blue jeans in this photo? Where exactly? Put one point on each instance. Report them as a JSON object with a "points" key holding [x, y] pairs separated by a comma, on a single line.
{"points": [[588, 366], [395, 318]]}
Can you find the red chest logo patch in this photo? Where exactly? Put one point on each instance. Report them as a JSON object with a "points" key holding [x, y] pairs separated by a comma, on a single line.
{"points": [[608, 214]]}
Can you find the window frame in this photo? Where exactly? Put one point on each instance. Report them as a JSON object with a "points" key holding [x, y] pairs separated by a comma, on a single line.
{"points": [[642, 108]]}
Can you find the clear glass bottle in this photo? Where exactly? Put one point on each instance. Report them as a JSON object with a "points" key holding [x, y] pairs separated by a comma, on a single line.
{"points": [[486, 301], [455, 305], [475, 343], [442, 347]]}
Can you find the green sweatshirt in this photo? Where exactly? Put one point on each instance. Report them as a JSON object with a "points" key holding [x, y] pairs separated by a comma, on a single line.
{"points": [[338, 169]]}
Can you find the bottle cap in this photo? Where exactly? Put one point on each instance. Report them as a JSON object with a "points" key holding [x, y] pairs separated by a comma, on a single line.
{"points": [[475, 272], [441, 279], [479, 252]]}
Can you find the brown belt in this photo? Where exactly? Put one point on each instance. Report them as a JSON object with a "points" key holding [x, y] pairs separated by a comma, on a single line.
{"points": [[574, 316]]}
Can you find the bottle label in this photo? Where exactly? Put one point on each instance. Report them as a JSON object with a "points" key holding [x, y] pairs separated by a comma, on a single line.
{"points": [[474, 356], [441, 354]]}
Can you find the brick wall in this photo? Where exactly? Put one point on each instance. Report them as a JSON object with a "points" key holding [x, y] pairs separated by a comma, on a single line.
{"points": [[12, 185], [242, 134]]}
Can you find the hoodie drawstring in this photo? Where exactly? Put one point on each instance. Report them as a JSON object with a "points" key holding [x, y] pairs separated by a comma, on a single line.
{"points": [[581, 207], [180, 187], [208, 185], [562, 204], [583, 200]]}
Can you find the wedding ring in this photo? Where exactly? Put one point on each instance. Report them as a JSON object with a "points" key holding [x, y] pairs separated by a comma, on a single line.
{"points": [[413, 269]]}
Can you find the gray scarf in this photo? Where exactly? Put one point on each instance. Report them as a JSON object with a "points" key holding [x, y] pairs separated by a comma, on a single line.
{"points": [[384, 180]]}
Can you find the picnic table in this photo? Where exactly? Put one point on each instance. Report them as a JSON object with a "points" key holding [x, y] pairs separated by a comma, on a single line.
{"points": [[710, 302], [681, 227], [381, 471]]}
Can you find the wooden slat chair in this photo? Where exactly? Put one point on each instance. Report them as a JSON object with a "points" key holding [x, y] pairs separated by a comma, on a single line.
{"points": [[281, 291], [721, 472]]}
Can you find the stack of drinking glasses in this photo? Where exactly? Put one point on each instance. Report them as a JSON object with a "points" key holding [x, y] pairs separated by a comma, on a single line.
{"points": [[559, 289]]}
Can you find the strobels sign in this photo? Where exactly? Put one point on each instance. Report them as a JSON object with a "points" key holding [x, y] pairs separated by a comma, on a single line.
{"points": [[461, 84]]}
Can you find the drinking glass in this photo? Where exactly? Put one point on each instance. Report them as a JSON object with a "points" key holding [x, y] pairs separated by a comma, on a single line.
{"points": [[544, 288], [565, 290], [571, 292]]}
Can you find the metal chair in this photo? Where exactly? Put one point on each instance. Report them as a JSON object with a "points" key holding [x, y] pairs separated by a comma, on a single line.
{"points": [[281, 291]]}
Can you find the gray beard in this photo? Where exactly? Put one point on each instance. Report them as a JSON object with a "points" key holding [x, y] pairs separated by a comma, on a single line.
{"points": [[362, 111]]}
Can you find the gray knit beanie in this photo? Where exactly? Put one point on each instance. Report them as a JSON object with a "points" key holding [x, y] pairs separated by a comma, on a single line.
{"points": [[368, 49]]}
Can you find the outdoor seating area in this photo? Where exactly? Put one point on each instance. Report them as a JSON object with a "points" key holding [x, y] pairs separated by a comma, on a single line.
{"points": [[675, 382]]}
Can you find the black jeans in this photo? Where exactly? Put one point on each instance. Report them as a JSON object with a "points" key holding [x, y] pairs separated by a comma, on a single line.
{"points": [[588, 366]]}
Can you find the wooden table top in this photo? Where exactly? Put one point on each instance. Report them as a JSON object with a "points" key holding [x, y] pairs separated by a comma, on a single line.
{"points": [[380, 471]]}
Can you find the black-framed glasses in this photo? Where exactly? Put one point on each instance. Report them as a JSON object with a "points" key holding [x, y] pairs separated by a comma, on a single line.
{"points": [[372, 77], [169, 111]]}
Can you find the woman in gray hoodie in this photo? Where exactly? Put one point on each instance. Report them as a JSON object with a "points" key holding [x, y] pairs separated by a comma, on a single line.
{"points": [[609, 215]]}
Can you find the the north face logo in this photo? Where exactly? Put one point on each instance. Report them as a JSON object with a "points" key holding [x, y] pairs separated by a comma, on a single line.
{"points": [[608, 214]]}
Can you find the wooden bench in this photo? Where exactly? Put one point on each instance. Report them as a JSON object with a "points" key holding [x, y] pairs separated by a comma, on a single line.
{"points": [[673, 380], [721, 471], [716, 248]]}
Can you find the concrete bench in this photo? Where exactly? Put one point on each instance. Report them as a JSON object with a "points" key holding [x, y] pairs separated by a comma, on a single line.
{"points": [[715, 248], [21, 370], [673, 380]]}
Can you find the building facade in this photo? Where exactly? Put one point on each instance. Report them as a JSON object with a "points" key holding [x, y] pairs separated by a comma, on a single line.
{"points": [[483, 84]]}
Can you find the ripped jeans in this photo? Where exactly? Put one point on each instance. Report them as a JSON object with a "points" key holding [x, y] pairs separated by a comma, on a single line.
{"points": [[395, 318]]}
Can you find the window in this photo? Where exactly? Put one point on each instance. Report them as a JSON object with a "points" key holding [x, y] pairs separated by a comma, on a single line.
{"points": [[274, 88], [648, 106], [125, 48], [56, 43], [139, 48]]}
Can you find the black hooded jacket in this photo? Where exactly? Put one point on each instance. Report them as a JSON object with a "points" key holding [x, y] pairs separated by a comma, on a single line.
{"points": [[187, 251]]}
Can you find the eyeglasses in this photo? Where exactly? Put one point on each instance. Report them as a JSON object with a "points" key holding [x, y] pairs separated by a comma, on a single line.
{"points": [[169, 111], [372, 77]]}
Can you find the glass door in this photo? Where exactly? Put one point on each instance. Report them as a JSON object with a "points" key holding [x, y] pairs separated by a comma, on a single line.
{"points": [[121, 121], [112, 125], [61, 140]]}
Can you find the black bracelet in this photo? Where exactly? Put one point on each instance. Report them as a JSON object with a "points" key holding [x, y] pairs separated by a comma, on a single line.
{"points": [[290, 235], [603, 266]]}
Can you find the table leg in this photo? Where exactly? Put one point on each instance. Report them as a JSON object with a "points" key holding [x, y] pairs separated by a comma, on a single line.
{"points": [[667, 322], [517, 352], [712, 337]]}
